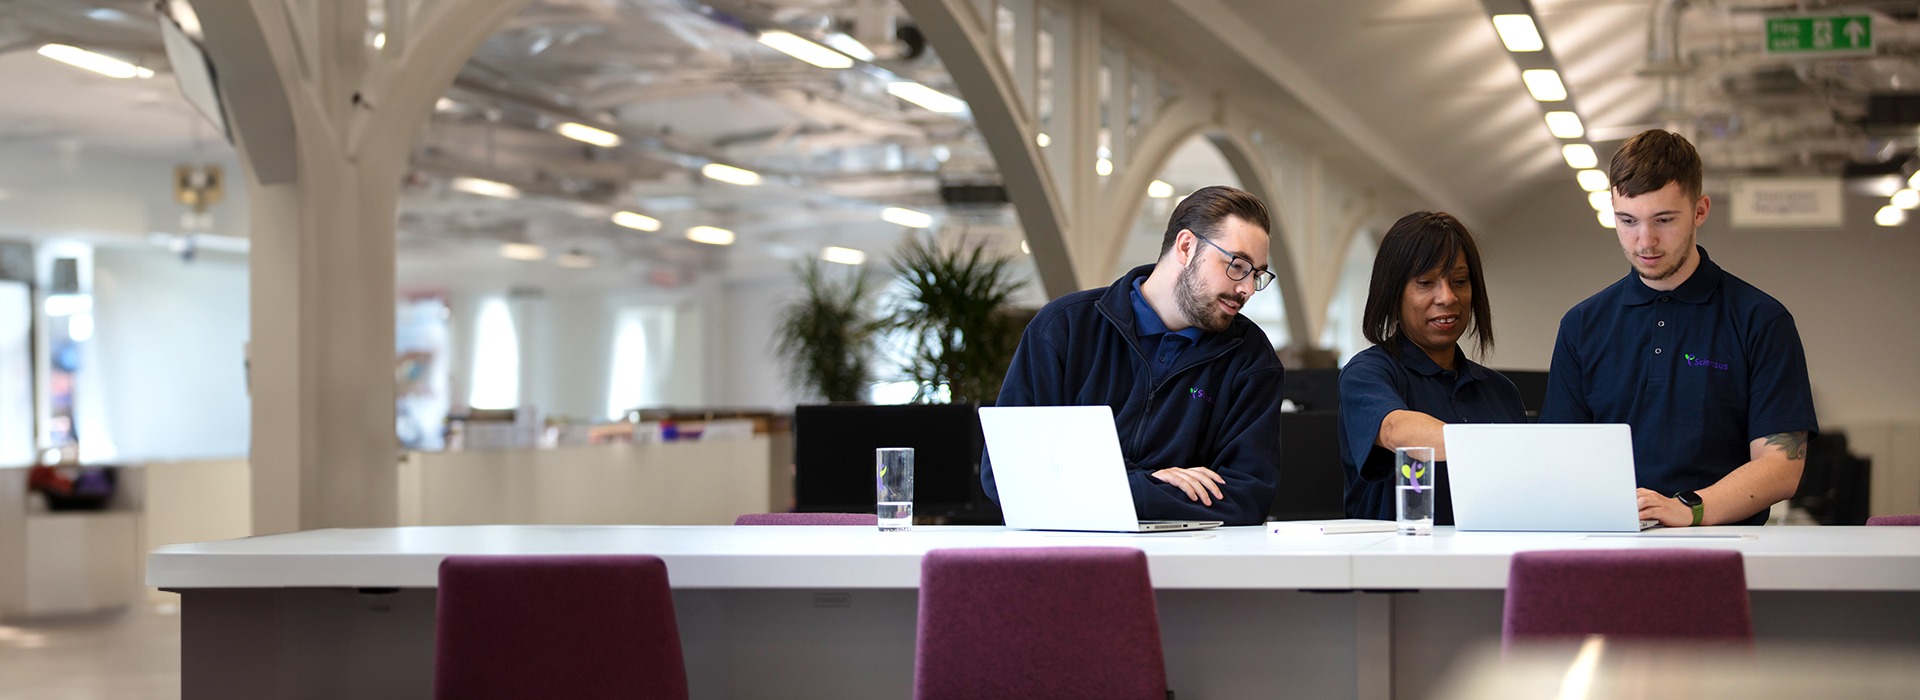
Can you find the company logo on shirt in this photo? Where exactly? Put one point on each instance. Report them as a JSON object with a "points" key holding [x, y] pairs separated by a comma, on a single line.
{"points": [[1199, 393], [1703, 362]]}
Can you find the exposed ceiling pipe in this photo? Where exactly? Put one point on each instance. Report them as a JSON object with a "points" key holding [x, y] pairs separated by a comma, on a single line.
{"points": [[1664, 60]]}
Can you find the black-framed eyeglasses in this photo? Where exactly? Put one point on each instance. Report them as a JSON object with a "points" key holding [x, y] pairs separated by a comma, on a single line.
{"points": [[1238, 267]]}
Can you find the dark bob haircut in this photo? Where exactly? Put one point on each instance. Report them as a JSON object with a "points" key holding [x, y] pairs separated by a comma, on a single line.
{"points": [[1202, 212], [1417, 243]]}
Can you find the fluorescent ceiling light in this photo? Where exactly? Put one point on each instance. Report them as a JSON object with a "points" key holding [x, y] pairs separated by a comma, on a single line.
{"points": [[844, 256], [380, 40], [1606, 217], [485, 188], [1103, 167], [1600, 201], [98, 63], [710, 235], [849, 46], [1565, 125], [927, 97], [522, 251], [1579, 156], [582, 132], [1906, 199], [1544, 84], [1518, 33], [730, 174], [805, 50], [445, 104], [1044, 140], [1592, 180], [907, 217], [575, 260], [640, 222], [1913, 181], [1889, 216], [1159, 189]]}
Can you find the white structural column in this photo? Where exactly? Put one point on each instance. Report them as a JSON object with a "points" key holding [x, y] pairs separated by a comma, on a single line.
{"points": [[323, 121], [964, 40], [1081, 124]]}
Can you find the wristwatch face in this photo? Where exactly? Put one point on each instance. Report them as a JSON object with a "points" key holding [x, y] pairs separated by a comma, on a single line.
{"points": [[1688, 498]]}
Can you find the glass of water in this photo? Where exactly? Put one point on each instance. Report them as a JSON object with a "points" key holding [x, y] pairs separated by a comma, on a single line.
{"points": [[893, 487], [1413, 489]]}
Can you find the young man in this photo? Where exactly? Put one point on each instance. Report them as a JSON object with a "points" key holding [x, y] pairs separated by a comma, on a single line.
{"points": [[1194, 386], [1707, 369]]}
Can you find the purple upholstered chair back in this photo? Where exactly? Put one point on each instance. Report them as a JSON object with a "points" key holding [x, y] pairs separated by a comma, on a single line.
{"points": [[1907, 520], [556, 627], [1040, 623], [1668, 594], [868, 519]]}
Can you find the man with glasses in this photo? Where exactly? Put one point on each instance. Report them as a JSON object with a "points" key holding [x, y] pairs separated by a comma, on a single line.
{"points": [[1194, 386]]}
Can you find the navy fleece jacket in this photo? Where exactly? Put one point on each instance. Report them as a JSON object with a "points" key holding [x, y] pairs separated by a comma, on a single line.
{"points": [[1218, 408]]}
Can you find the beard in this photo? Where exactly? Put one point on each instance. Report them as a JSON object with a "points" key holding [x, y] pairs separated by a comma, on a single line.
{"points": [[1676, 262], [1198, 306]]}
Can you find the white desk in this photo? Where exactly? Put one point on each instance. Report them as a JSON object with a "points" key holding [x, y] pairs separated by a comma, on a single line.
{"points": [[795, 612]]}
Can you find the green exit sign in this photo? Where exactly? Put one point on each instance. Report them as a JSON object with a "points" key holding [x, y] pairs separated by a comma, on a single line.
{"points": [[1801, 34]]}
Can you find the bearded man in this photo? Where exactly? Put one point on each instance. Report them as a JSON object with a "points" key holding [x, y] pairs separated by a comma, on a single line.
{"points": [[1194, 386]]}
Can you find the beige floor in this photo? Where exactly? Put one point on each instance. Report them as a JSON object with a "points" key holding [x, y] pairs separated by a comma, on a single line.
{"points": [[132, 655]]}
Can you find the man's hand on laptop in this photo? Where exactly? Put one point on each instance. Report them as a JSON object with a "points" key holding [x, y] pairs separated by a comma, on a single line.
{"points": [[1200, 483], [1669, 511]]}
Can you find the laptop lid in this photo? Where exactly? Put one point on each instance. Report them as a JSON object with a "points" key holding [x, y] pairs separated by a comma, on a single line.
{"points": [[1542, 478], [1060, 468]]}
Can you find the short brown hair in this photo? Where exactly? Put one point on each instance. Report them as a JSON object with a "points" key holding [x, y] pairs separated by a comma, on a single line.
{"points": [[1650, 160], [1202, 212], [1419, 242]]}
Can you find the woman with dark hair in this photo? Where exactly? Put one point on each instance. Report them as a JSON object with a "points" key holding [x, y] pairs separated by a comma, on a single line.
{"points": [[1427, 292]]}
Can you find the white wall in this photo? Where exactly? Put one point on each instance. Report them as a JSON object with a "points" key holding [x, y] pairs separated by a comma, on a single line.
{"points": [[170, 338], [59, 189], [754, 375]]}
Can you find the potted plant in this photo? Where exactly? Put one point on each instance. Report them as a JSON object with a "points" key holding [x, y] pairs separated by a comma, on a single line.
{"points": [[957, 314], [826, 337]]}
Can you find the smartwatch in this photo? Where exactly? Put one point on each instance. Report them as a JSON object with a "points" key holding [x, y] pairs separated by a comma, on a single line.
{"points": [[1692, 500]]}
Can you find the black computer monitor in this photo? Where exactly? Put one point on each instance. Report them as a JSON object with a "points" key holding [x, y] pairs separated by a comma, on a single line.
{"points": [[1312, 481], [1533, 388], [1312, 389], [833, 448]]}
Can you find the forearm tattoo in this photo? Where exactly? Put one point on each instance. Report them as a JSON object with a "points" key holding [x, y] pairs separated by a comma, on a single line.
{"points": [[1793, 444]]}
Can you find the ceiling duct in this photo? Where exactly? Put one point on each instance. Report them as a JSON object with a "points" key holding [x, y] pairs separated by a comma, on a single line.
{"points": [[1753, 111]]}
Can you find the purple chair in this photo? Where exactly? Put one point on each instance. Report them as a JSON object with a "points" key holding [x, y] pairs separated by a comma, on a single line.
{"points": [[1666, 594], [867, 519], [587, 626], [1906, 520], [1045, 623]]}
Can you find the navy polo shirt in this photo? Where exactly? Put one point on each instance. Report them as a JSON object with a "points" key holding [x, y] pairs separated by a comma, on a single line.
{"points": [[1699, 372], [1160, 346], [1377, 382]]}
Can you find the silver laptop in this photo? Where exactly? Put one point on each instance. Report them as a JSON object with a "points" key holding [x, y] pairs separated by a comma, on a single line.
{"points": [[1060, 468], [1542, 477]]}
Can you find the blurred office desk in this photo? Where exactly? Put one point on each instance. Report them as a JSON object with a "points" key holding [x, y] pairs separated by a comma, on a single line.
{"points": [[1602, 669], [829, 611]]}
